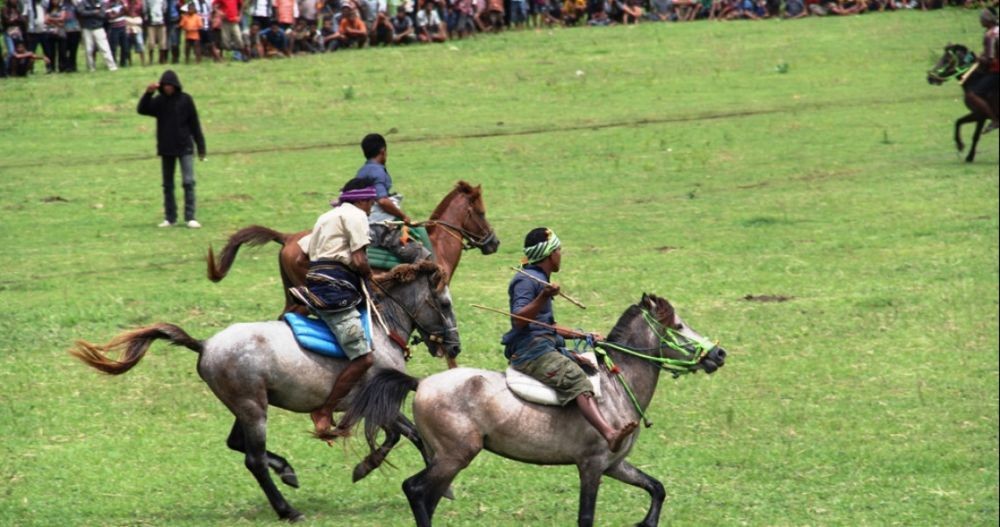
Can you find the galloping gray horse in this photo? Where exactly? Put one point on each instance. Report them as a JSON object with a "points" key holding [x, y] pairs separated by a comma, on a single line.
{"points": [[462, 411], [252, 365]]}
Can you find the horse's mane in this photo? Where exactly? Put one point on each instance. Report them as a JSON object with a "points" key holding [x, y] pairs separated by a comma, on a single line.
{"points": [[618, 332], [461, 187], [406, 273]]}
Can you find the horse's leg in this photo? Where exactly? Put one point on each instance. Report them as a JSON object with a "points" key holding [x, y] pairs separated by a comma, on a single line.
{"points": [[626, 473], [425, 489], [277, 463], [975, 140], [958, 129], [374, 460], [254, 424], [590, 482]]}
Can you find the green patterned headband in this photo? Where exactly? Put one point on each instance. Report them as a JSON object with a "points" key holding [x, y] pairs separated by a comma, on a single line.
{"points": [[541, 250]]}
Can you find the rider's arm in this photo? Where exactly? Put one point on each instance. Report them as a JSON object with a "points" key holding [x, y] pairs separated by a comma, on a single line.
{"points": [[390, 206], [359, 261]]}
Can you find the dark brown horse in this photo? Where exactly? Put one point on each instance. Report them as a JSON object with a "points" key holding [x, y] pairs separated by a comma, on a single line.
{"points": [[957, 61], [458, 223]]}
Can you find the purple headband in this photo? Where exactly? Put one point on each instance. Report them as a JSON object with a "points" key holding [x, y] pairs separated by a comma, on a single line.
{"points": [[358, 194]]}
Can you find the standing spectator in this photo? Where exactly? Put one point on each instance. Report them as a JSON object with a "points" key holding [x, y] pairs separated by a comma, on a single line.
{"points": [[352, 29], [429, 26], [178, 131], [71, 25], [33, 12], [56, 36], [133, 31], [205, 35], [285, 12], [91, 15], [117, 31], [261, 12], [156, 28], [173, 18], [518, 13], [191, 26], [460, 24], [232, 36], [308, 13], [402, 28]]}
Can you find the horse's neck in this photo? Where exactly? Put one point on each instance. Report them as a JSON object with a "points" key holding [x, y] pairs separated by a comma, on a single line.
{"points": [[641, 375], [446, 242], [396, 318]]}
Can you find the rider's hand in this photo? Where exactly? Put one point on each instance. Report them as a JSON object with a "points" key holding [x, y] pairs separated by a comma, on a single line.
{"points": [[153, 86], [551, 290]]}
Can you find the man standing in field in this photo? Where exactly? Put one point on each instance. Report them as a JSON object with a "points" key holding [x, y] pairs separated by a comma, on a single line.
{"points": [[387, 204], [178, 131], [338, 265]]}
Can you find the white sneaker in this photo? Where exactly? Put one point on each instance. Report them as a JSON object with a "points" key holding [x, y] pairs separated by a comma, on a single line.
{"points": [[193, 224], [165, 223]]}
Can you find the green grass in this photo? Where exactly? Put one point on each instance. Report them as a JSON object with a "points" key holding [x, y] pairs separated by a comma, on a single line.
{"points": [[681, 161]]}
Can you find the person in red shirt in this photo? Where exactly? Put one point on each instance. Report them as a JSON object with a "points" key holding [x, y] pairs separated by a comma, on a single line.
{"points": [[232, 36]]}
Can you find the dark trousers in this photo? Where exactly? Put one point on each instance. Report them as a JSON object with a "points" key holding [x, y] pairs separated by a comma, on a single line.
{"points": [[169, 163], [118, 40], [68, 61]]}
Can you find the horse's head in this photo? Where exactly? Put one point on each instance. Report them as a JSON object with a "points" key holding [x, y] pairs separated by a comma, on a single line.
{"points": [[956, 60], [463, 210], [420, 291], [653, 324]]}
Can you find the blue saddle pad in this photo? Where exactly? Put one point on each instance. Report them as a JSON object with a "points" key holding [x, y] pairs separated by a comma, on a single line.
{"points": [[314, 335]]}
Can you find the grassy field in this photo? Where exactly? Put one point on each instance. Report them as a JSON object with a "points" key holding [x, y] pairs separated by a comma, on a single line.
{"points": [[673, 159]]}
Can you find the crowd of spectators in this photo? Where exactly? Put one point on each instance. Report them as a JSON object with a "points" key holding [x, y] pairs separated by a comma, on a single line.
{"points": [[156, 30]]}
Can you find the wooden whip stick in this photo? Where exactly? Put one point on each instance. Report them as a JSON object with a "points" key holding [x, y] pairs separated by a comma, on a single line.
{"points": [[965, 76], [543, 282], [526, 319]]}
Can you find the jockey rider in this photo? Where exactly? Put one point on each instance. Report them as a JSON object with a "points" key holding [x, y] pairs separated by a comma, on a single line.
{"points": [[539, 351], [387, 204], [338, 264], [989, 62]]}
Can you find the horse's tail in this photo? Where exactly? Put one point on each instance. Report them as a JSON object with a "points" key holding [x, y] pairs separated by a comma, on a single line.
{"points": [[253, 235], [379, 401], [135, 343]]}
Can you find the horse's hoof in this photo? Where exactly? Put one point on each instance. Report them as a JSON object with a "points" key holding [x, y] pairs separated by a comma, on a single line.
{"points": [[360, 471], [290, 479], [294, 517]]}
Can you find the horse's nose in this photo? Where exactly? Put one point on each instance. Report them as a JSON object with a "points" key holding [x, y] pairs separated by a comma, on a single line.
{"points": [[491, 247], [714, 359]]}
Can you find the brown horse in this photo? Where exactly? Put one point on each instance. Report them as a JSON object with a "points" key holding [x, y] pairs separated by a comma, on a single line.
{"points": [[957, 62], [458, 223]]}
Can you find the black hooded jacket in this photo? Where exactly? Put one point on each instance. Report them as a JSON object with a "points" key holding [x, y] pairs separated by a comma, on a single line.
{"points": [[176, 119]]}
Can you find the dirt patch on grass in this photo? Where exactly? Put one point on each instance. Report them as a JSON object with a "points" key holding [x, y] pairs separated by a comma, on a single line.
{"points": [[767, 298]]}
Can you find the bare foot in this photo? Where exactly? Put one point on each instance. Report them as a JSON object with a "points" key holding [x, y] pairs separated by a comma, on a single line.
{"points": [[615, 442], [322, 420]]}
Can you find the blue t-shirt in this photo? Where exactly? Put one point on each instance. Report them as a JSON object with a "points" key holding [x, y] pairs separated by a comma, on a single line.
{"points": [[380, 178], [522, 291]]}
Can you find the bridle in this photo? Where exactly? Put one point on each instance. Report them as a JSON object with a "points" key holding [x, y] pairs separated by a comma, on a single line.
{"points": [[693, 349], [448, 336], [470, 240], [957, 66]]}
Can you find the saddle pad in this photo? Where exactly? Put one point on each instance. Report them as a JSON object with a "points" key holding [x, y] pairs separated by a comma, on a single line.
{"points": [[530, 389], [378, 257], [313, 334]]}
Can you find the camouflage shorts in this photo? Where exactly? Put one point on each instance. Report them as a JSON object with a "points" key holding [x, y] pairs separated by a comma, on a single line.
{"points": [[560, 373]]}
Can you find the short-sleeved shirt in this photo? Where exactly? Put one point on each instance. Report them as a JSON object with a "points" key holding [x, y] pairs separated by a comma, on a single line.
{"points": [[522, 291], [425, 20], [357, 25], [399, 26], [382, 181], [338, 233]]}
